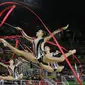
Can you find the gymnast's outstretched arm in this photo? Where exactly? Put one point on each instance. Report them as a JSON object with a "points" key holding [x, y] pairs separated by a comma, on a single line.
{"points": [[24, 34], [49, 37], [55, 32], [26, 55]]}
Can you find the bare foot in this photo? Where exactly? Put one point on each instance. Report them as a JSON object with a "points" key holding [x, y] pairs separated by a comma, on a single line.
{"points": [[18, 28], [68, 54], [72, 51], [60, 68], [3, 41], [64, 28]]}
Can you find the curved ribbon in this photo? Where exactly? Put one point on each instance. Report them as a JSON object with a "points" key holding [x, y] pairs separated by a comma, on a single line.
{"points": [[11, 37], [4, 10], [7, 14], [57, 44]]}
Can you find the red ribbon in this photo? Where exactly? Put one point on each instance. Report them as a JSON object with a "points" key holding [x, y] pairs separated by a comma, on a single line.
{"points": [[11, 9], [28, 48], [4, 10]]}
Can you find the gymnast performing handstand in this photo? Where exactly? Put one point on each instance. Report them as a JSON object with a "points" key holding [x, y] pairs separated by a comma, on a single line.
{"points": [[38, 48]]}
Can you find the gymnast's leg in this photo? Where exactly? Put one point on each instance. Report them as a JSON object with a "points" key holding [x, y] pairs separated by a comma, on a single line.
{"points": [[59, 68], [49, 58], [46, 67], [6, 78], [27, 55]]}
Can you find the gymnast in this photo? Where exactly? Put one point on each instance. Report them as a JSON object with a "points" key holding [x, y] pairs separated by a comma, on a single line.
{"points": [[11, 69], [38, 47], [51, 60]]}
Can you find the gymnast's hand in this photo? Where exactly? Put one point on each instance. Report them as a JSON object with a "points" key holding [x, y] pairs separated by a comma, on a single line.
{"points": [[64, 28], [57, 52], [72, 51], [18, 28]]}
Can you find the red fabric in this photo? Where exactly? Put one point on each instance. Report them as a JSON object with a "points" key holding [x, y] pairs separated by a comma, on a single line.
{"points": [[4, 10], [11, 9]]}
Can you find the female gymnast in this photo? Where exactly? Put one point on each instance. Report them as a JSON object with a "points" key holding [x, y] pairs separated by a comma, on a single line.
{"points": [[38, 47], [51, 60], [11, 69]]}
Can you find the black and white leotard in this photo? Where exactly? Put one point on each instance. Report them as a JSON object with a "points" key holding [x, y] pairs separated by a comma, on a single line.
{"points": [[54, 64], [37, 47], [12, 72]]}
